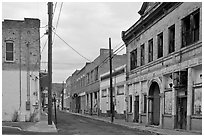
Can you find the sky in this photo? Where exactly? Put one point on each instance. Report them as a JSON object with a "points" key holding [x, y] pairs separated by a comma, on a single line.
{"points": [[85, 26]]}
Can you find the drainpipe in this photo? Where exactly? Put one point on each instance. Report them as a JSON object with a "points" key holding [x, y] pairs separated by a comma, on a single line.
{"points": [[28, 77], [20, 68]]}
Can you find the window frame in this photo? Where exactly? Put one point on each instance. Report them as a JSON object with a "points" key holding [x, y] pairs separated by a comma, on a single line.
{"points": [[133, 59], [150, 50], [171, 46], [10, 42], [160, 46], [102, 91], [121, 86], [130, 104], [184, 33], [142, 55]]}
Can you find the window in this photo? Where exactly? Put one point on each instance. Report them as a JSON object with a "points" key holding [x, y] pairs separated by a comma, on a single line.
{"points": [[88, 78], [190, 28], [130, 104], [133, 59], [104, 93], [120, 90], [172, 39], [142, 61], [197, 101], [9, 51], [150, 51], [96, 73], [160, 45], [113, 91], [168, 102], [145, 104]]}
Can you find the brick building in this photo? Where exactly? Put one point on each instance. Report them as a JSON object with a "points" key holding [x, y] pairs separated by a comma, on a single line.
{"points": [[164, 69], [85, 83], [20, 70]]}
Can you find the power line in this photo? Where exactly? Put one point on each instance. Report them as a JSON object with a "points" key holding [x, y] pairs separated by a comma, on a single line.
{"points": [[57, 22], [114, 53], [71, 47]]}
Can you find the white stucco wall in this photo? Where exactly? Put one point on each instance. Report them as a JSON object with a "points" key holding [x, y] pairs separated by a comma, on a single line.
{"points": [[120, 99], [11, 95]]}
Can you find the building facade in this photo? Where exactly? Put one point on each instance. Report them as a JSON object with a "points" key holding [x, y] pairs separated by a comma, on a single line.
{"points": [[164, 69], [20, 70], [119, 83], [85, 83]]}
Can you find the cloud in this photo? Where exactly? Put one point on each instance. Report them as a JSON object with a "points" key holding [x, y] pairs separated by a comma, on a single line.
{"points": [[86, 26]]}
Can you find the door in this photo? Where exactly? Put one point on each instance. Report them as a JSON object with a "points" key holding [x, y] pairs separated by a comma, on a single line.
{"points": [[136, 108], [182, 112]]}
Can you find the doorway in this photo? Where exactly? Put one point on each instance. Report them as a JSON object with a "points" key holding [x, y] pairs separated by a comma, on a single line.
{"points": [[136, 108], [155, 104], [181, 112]]}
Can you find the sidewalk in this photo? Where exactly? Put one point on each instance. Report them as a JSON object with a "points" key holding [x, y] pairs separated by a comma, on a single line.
{"points": [[132, 125], [41, 126]]}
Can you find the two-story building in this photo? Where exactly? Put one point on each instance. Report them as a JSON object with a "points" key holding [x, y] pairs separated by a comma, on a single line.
{"points": [[20, 70], [164, 69], [119, 86]]}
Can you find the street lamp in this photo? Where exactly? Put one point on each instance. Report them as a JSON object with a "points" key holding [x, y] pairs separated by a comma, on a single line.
{"points": [[54, 100]]}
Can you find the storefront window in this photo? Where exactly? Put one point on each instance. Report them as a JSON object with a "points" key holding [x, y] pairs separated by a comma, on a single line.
{"points": [[168, 102], [197, 107]]}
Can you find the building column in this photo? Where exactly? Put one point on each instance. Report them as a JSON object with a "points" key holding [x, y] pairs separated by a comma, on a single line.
{"points": [[147, 111], [140, 101], [189, 98], [162, 101], [174, 103], [133, 101], [126, 101]]}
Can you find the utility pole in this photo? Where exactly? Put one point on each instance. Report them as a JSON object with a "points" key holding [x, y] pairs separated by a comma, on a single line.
{"points": [[111, 88], [50, 12], [62, 96]]}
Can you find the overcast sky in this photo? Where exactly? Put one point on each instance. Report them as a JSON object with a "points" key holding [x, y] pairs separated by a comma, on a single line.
{"points": [[86, 26]]}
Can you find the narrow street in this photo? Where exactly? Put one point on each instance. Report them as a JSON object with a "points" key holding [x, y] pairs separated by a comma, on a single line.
{"points": [[69, 124]]}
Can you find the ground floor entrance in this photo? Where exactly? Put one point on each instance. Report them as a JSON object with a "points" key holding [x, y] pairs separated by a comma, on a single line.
{"points": [[181, 112]]}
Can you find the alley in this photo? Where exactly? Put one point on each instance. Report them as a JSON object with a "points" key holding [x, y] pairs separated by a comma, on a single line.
{"points": [[70, 124]]}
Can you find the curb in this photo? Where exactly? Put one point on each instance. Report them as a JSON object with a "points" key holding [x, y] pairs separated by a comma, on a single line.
{"points": [[12, 127]]}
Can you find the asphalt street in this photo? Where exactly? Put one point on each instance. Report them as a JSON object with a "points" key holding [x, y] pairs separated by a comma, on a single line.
{"points": [[69, 124]]}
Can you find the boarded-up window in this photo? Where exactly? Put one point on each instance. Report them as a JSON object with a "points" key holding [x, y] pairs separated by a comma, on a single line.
{"points": [[197, 101], [168, 102]]}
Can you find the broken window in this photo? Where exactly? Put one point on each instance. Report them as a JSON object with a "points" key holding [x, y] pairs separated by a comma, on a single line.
{"points": [[133, 59], [160, 45], [190, 28], [9, 51], [150, 52], [172, 39], [142, 61]]}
